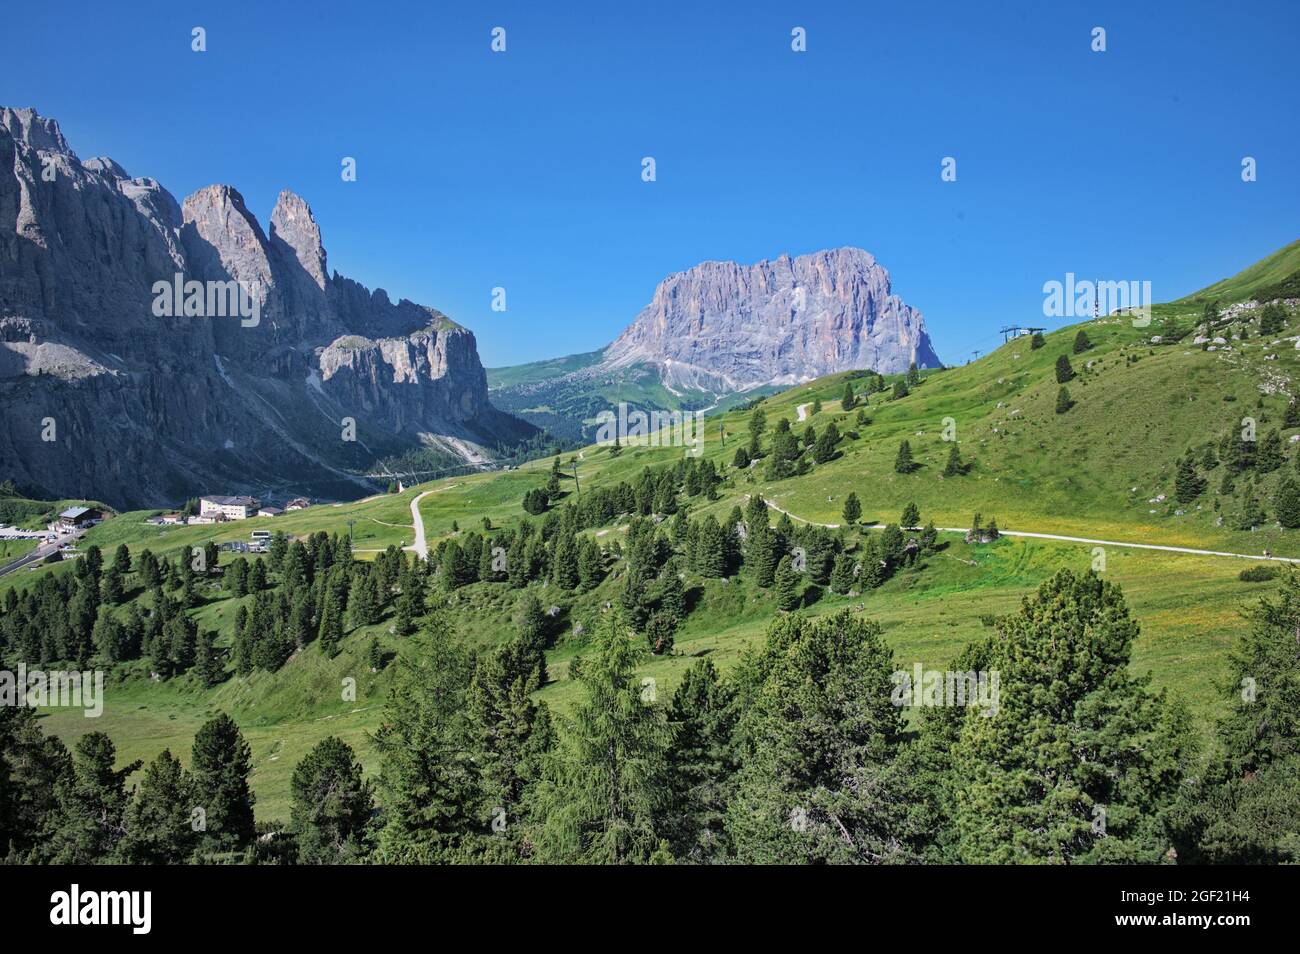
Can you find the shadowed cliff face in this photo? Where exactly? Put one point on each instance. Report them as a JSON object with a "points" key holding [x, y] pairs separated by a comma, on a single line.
{"points": [[722, 327], [104, 396]]}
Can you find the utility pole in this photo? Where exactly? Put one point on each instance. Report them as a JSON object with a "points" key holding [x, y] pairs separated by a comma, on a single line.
{"points": [[576, 488]]}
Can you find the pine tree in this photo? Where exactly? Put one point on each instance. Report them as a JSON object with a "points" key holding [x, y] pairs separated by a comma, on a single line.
{"points": [[330, 804], [159, 825], [1063, 402], [564, 567], [701, 764], [591, 564], [711, 549], [1188, 485], [852, 509], [1286, 502], [954, 467], [511, 734], [911, 516], [330, 633], [427, 778], [761, 555], [660, 633], [236, 577], [903, 463], [1271, 454], [818, 780], [606, 792], [1081, 342], [824, 450], [849, 401], [1249, 513], [789, 591], [220, 764], [208, 668], [842, 576], [741, 460], [363, 601], [913, 375], [1064, 372], [1079, 747], [1272, 319], [1037, 341], [86, 824]]}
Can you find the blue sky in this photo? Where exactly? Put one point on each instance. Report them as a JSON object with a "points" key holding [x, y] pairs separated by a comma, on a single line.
{"points": [[522, 169]]}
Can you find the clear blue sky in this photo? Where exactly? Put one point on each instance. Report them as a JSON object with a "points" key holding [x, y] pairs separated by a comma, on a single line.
{"points": [[522, 169]]}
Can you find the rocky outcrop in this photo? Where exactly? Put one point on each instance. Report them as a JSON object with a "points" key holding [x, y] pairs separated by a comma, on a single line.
{"points": [[148, 407], [721, 326]]}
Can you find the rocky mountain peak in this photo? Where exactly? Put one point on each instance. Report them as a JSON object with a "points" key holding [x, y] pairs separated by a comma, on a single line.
{"points": [[293, 224], [31, 128], [724, 326], [231, 243]]}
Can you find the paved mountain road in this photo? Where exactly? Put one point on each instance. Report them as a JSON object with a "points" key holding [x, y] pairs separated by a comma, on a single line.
{"points": [[1066, 539]]}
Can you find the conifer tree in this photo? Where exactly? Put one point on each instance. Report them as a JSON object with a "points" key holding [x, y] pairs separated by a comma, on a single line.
{"points": [[711, 549], [819, 740], [591, 569], [1037, 341], [208, 667], [220, 763], [1188, 485], [954, 467], [852, 511], [605, 795], [86, 824], [911, 516], [761, 555], [237, 577], [842, 576], [159, 825], [789, 591], [564, 566], [1081, 342], [701, 764], [330, 803], [363, 601], [427, 779], [331, 622], [1064, 372], [849, 400], [1286, 502], [1080, 761], [903, 463], [511, 734]]}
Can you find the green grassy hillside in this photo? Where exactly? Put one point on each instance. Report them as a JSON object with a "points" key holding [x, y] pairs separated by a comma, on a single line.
{"points": [[1277, 276]]}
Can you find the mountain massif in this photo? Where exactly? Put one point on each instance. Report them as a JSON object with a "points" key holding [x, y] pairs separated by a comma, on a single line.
{"points": [[723, 329], [107, 394]]}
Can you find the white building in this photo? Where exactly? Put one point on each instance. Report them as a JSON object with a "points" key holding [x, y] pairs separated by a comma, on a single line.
{"points": [[228, 508]]}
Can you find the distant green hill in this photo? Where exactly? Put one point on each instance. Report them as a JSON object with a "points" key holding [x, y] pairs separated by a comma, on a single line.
{"points": [[1277, 276], [535, 371]]}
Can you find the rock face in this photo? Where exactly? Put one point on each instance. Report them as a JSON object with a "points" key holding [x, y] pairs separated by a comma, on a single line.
{"points": [[725, 327], [106, 397]]}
